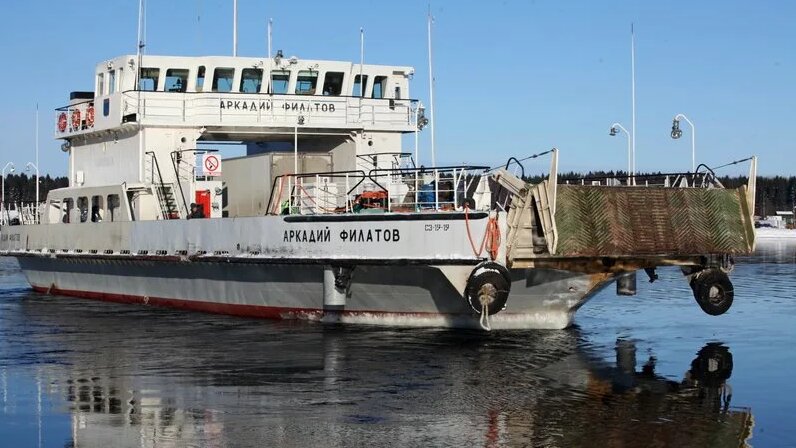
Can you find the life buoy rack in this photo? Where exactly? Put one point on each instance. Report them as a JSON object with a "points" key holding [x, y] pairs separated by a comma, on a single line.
{"points": [[62, 122], [75, 119], [90, 116]]}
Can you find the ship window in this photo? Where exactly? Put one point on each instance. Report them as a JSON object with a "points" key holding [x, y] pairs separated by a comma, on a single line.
{"points": [[200, 78], [397, 93], [111, 81], [176, 80], [379, 87], [54, 211], [82, 205], [333, 83], [100, 85], [358, 87], [113, 206], [148, 79], [222, 79], [251, 80], [97, 211], [69, 205], [306, 81], [279, 81]]}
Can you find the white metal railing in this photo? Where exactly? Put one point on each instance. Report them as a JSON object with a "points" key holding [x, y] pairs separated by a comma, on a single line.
{"points": [[380, 190], [23, 213], [670, 180]]}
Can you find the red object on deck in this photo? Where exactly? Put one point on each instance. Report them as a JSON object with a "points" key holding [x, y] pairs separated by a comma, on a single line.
{"points": [[203, 199]]}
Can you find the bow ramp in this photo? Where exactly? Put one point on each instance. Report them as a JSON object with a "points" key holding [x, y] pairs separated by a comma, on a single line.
{"points": [[622, 225]]}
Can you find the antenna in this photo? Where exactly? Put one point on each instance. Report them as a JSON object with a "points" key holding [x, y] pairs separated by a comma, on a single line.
{"points": [[234, 27], [633, 92], [37, 163], [431, 88], [270, 28], [361, 66], [140, 43]]}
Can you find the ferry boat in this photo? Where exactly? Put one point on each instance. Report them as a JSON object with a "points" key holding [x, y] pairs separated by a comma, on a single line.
{"points": [[327, 217]]}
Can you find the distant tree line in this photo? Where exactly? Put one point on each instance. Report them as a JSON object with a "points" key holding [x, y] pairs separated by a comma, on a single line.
{"points": [[773, 193], [21, 188]]}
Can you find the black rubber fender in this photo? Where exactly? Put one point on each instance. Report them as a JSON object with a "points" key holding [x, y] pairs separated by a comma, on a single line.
{"points": [[493, 274], [713, 291]]}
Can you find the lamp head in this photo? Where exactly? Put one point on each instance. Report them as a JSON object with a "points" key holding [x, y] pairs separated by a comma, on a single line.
{"points": [[676, 132], [12, 169], [613, 131]]}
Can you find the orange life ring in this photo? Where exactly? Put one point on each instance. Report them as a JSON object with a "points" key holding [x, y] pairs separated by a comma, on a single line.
{"points": [[62, 122], [75, 119], [90, 116]]}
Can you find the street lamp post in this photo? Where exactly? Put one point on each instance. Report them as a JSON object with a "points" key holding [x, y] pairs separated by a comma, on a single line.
{"points": [[677, 133], [631, 156], [3, 199], [36, 168]]}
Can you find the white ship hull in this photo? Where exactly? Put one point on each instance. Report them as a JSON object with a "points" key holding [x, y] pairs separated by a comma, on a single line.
{"points": [[382, 295]]}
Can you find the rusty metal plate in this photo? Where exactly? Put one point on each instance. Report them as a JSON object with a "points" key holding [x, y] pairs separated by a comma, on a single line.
{"points": [[626, 221]]}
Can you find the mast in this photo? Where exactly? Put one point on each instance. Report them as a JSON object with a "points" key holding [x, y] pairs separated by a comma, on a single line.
{"points": [[140, 57], [431, 89], [270, 28], [361, 66], [37, 164], [633, 93], [234, 27]]}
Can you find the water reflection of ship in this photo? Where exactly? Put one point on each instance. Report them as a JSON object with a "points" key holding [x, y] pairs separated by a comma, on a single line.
{"points": [[140, 377]]}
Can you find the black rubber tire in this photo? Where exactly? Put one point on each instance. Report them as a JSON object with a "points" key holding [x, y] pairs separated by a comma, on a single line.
{"points": [[713, 365], [713, 292], [498, 280]]}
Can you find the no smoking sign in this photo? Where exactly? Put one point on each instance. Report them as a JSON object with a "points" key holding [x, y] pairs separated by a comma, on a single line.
{"points": [[211, 165]]}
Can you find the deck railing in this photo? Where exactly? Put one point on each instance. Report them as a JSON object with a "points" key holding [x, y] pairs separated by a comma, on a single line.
{"points": [[380, 190]]}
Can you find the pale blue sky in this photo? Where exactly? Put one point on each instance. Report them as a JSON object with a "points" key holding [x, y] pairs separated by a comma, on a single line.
{"points": [[513, 77]]}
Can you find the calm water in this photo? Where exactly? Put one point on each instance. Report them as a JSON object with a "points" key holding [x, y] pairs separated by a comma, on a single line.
{"points": [[651, 370]]}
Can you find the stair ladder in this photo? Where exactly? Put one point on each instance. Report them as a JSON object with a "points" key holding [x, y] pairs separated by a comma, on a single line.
{"points": [[169, 208]]}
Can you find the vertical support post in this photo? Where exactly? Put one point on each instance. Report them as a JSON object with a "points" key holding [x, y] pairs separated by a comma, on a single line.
{"points": [[234, 27], [633, 93], [436, 189], [36, 220], [431, 90]]}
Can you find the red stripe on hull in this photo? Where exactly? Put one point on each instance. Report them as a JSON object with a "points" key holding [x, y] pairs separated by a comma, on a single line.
{"points": [[254, 311], [231, 309]]}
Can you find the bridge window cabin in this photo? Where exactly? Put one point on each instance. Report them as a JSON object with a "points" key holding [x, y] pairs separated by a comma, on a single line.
{"points": [[223, 78], [113, 207], [176, 80], [100, 89], [306, 82], [200, 78], [333, 83], [148, 79], [279, 81], [360, 85], [379, 87], [111, 81], [54, 211], [69, 205], [82, 206], [251, 80], [97, 210]]}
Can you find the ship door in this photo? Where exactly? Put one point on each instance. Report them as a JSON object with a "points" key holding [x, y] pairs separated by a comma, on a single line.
{"points": [[203, 200]]}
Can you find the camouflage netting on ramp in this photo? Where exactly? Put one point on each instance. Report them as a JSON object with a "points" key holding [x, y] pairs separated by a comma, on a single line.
{"points": [[632, 221]]}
